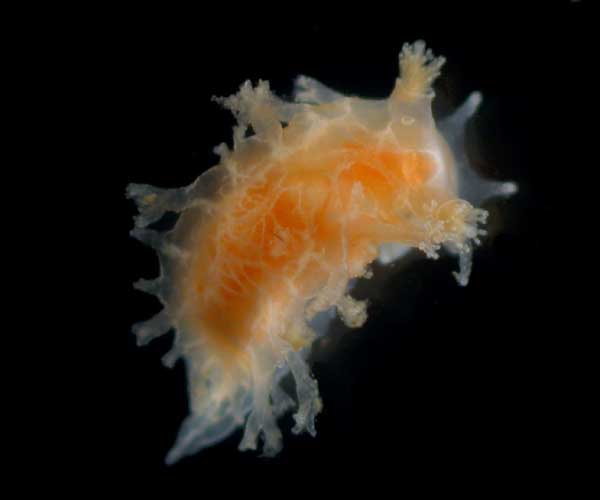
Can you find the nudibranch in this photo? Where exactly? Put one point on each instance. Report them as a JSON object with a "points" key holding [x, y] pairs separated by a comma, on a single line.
{"points": [[312, 192]]}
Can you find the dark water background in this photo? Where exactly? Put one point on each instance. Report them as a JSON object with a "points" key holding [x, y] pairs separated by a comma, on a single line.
{"points": [[442, 383]]}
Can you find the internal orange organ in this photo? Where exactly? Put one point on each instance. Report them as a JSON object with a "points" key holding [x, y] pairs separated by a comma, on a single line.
{"points": [[287, 231]]}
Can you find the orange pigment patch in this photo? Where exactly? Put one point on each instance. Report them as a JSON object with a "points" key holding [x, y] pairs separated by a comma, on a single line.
{"points": [[275, 222]]}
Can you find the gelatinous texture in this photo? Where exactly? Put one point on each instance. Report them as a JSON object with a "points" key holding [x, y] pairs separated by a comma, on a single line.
{"points": [[272, 235]]}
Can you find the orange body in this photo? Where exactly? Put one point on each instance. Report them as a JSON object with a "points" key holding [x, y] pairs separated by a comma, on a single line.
{"points": [[283, 235]]}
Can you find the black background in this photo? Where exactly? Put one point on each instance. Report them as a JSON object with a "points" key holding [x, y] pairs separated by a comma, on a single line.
{"points": [[443, 383]]}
